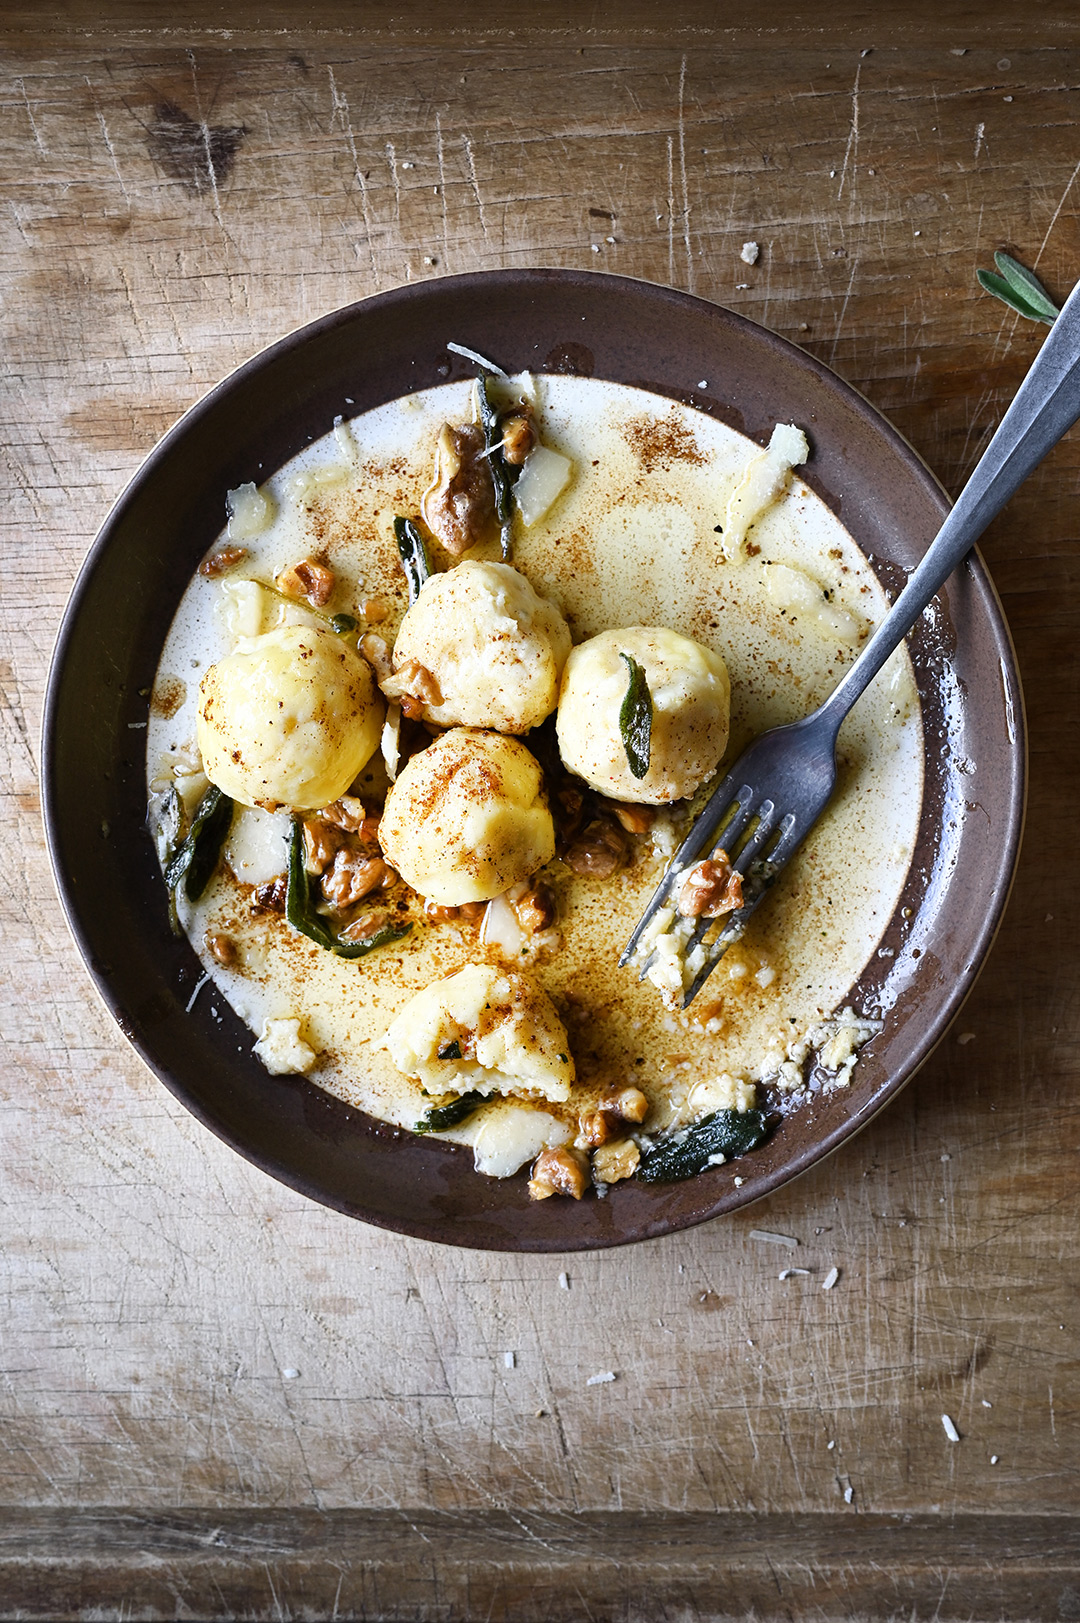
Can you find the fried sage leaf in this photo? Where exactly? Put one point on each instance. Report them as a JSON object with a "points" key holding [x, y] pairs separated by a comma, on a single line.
{"points": [[440, 1117], [414, 555], [635, 719], [301, 914], [686, 1153], [500, 475], [197, 856]]}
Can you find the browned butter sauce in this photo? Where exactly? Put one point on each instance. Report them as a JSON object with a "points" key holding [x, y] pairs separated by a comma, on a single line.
{"points": [[632, 541]]}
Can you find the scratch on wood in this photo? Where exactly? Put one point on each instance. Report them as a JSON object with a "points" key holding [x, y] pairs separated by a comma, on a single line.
{"points": [[851, 151], [682, 178], [442, 190], [339, 109], [1054, 217], [38, 142], [467, 144]]}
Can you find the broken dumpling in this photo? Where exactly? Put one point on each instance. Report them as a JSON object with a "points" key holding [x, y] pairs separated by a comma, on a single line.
{"points": [[686, 699], [467, 818], [483, 1030], [494, 649], [288, 720]]}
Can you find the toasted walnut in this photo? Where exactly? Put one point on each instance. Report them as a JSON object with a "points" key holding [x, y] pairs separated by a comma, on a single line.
{"points": [[519, 437], [599, 851], [222, 561], [558, 1172], [352, 877], [415, 681], [634, 819], [710, 888], [322, 842], [535, 910], [221, 947], [568, 811], [375, 651], [363, 928], [438, 914], [374, 611], [630, 1104], [613, 1162], [307, 579], [459, 506], [346, 813], [595, 1127], [269, 897]]}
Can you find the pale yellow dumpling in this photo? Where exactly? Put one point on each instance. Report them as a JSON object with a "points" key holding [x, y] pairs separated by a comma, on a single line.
{"points": [[498, 1030], [691, 703], [495, 649], [467, 818], [289, 720]]}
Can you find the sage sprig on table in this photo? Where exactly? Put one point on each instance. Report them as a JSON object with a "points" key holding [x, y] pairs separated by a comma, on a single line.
{"points": [[635, 719], [1020, 289]]}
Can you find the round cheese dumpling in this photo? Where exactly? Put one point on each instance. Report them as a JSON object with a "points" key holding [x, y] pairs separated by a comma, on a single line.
{"points": [[485, 1029], [467, 818], [289, 720], [495, 649], [691, 703]]}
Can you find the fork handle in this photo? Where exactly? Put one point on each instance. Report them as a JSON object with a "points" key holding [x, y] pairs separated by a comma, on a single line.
{"points": [[1045, 407]]}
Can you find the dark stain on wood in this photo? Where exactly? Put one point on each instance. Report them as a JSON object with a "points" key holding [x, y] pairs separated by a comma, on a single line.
{"points": [[199, 155]]}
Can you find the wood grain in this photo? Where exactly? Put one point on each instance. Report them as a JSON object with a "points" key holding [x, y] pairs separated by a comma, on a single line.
{"points": [[181, 193]]}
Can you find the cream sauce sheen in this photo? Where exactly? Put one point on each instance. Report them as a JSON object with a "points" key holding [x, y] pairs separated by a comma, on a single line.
{"points": [[632, 541]]}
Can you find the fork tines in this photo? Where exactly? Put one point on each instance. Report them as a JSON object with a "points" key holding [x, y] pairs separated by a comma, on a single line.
{"points": [[728, 816]]}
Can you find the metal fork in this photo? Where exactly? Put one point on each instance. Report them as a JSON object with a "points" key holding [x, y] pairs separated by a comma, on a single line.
{"points": [[782, 782]]}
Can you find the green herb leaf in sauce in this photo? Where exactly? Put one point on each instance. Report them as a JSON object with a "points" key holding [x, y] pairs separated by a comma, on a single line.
{"points": [[414, 556], [451, 1051], [343, 624], [726, 1133], [1020, 289], [635, 719], [197, 857], [440, 1117], [500, 475], [301, 914]]}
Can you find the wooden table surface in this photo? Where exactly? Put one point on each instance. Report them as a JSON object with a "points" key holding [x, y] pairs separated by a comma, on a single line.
{"points": [[221, 1400]]}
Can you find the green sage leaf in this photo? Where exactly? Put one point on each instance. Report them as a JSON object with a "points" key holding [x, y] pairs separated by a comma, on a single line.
{"points": [[684, 1154], [414, 555], [500, 474], [301, 914], [440, 1117], [1027, 285], [1000, 288], [635, 719], [197, 857]]}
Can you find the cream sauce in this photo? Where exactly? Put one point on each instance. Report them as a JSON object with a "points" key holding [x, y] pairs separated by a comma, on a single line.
{"points": [[632, 541]]}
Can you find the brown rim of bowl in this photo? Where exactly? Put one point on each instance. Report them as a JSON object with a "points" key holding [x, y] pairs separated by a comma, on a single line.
{"points": [[630, 332]]}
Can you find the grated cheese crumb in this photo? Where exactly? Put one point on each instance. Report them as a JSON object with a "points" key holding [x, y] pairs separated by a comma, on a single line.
{"points": [[602, 1379], [509, 1360], [830, 1279], [774, 1239], [564, 1282], [788, 1273], [749, 253], [950, 1430], [849, 1494]]}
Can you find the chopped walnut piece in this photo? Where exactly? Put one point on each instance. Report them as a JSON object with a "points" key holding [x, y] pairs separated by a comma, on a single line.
{"points": [[440, 914], [269, 897], [322, 842], [352, 877], [307, 579], [599, 851], [629, 1103], [363, 928], [221, 947], [375, 651], [634, 819], [613, 1162], [535, 910], [374, 611], [558, 1172], [568, 810], [346, 813], [710, 889], [222, 561], [459, 505], [595, 1128], [415, 681], [519, 436]]}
